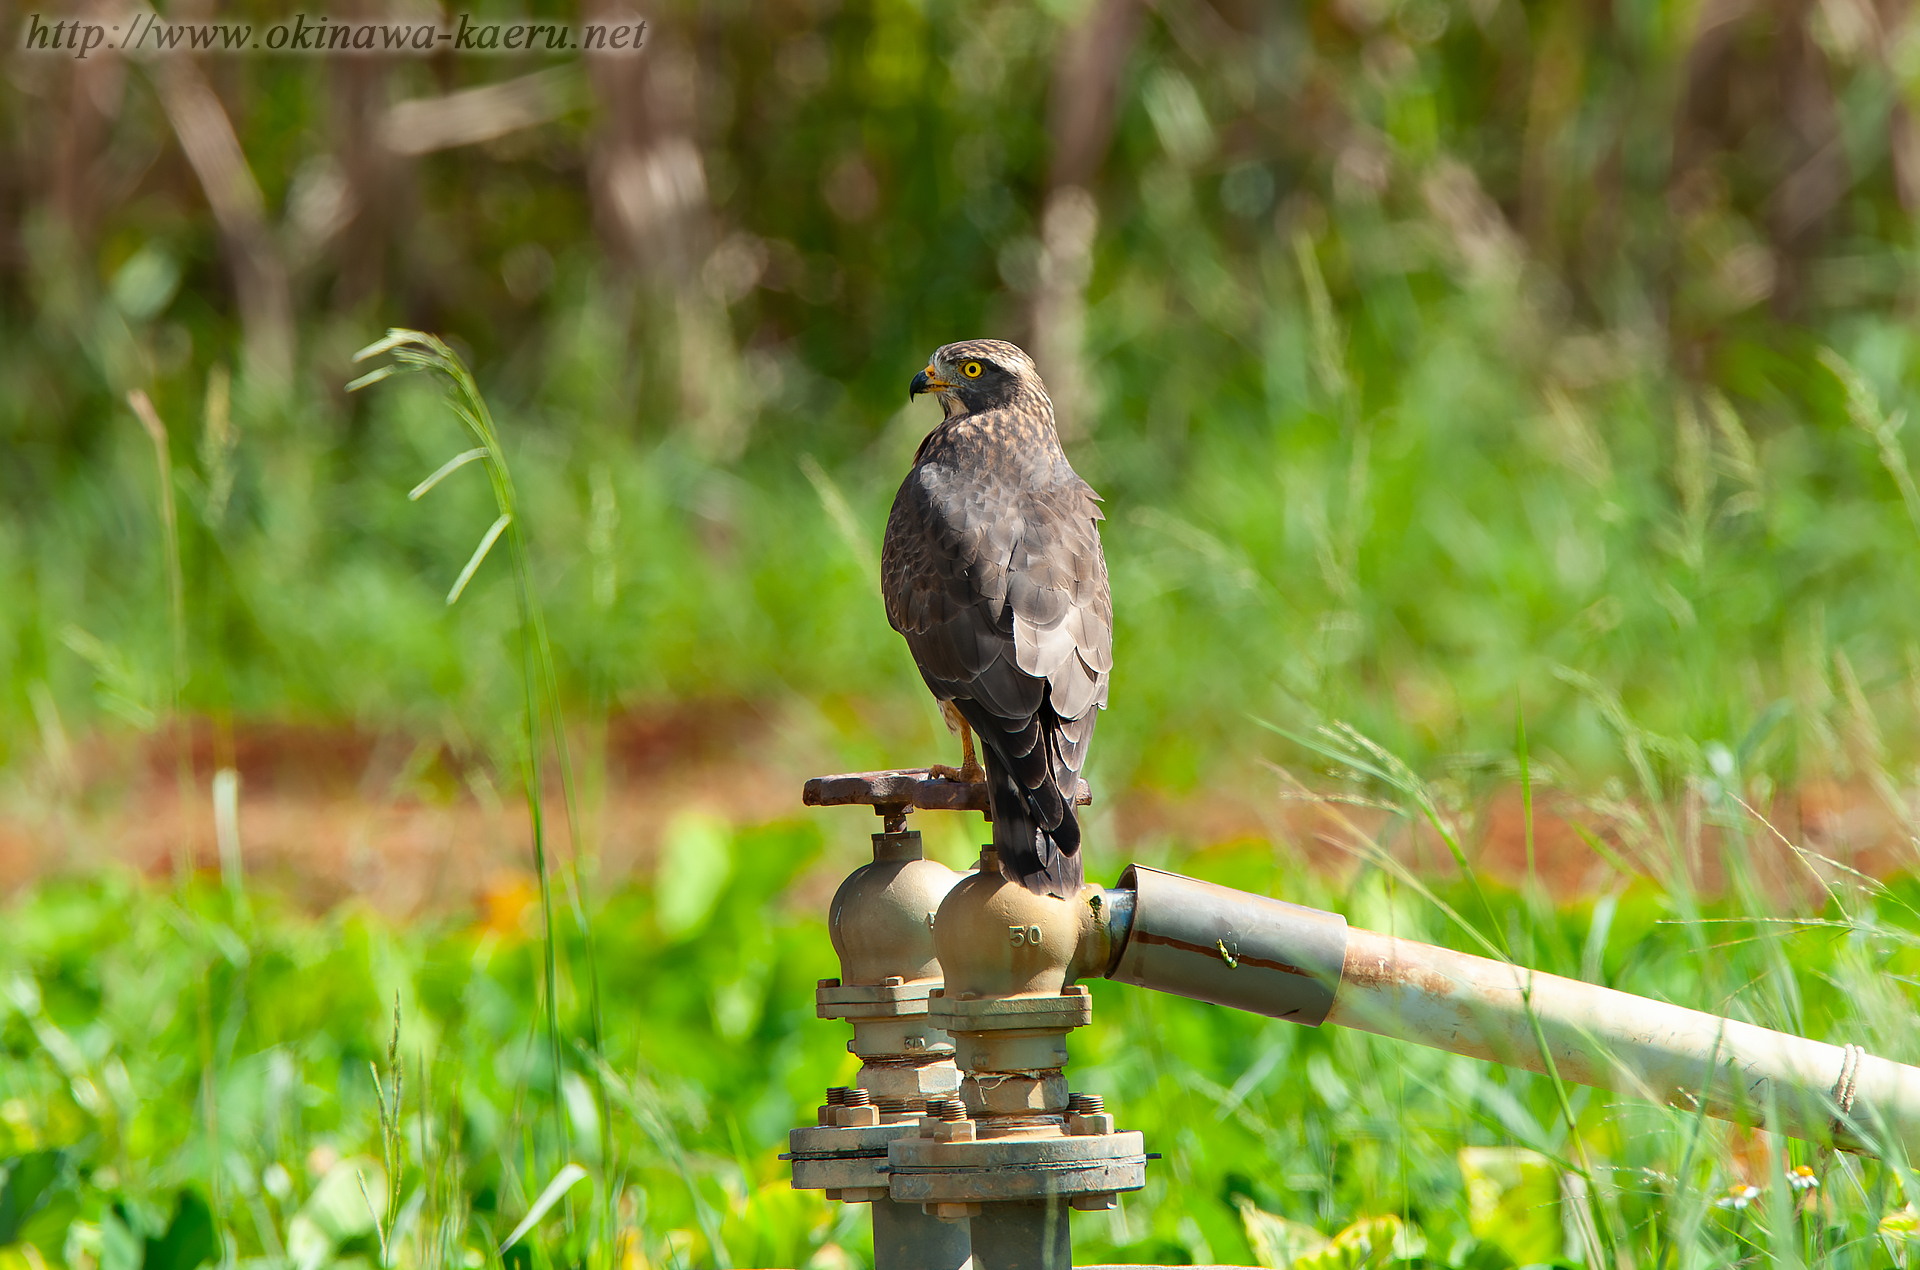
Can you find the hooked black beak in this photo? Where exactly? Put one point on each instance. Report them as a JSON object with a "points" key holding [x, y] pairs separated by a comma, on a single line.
{"points": [[926, 381]]}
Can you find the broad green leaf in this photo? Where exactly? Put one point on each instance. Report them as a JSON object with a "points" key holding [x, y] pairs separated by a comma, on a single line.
{"points": [[1371, 1241], [189, 1241], [695, 861], [29, 1183], [1289, 1245], [1513, 1201], [1276, 1241], [1900, 1232]]}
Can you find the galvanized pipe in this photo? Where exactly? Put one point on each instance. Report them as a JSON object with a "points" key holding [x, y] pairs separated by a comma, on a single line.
{"points": [[906, 1238], [1195, 939], [1033, 1235], [1213, 943], [1614, 1040]]}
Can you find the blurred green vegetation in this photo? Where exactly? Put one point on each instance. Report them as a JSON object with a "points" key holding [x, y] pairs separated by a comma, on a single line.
{"points": [[1427, 350], [1437, 361], [131, 1014]]}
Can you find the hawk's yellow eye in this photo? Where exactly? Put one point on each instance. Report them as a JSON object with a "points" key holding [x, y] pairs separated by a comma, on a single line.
{"points": [[971, 370]]}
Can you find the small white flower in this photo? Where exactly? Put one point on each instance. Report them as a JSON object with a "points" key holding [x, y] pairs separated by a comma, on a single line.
{"points": [[1801, 1178], [1738, 1196]]}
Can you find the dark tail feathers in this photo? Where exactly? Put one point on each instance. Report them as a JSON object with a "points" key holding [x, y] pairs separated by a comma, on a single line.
{"points": [[1045, 861]]}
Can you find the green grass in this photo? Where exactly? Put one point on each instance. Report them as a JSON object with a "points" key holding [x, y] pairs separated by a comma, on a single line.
{"points": [[1359, 465], [164, 1044], [1684, 601], [1460, 540]]}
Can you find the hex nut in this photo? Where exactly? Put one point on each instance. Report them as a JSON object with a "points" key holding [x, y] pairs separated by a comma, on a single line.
{"points": [[856, 1117], [1103, 1202], [951, 1212], [922, 1080], [1083, 1124], [858, 1194], [948, 1130], [997, 1094]]}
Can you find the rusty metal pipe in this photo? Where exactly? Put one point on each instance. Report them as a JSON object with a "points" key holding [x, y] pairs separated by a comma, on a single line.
{"points": [[1614, 1040], [1215, 944]]}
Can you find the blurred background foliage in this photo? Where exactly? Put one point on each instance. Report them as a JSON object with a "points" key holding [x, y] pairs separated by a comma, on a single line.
{"points": [[1419, 350], [1438, 360]]}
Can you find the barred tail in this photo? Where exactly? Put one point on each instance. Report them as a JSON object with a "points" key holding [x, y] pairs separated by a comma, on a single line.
{"points": [[1045, 861]]}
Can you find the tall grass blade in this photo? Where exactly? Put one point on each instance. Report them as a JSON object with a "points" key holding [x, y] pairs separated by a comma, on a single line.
{"points": [[540, 687], [562, 1182], [1863, 407], [479, 554], [445, 470], [840, 512], [156, 431], [371, 378]]}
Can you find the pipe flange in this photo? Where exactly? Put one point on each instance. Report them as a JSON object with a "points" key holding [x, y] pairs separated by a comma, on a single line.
{"points": [[838, 1158], [927, 1170], [891, 998], [1063, 1011]]}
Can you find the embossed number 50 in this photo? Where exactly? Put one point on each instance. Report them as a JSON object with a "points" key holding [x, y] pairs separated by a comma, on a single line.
{"points": [[1020, 936]]}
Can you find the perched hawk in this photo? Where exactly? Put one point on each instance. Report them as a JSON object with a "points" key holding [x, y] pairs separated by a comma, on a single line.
{"points": [[992, 570]]}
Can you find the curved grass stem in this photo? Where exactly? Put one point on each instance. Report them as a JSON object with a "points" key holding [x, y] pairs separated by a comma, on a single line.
{"points": [[542, 718]]}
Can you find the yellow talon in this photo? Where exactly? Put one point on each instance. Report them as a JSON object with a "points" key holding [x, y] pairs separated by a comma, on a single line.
{"points": [[969, 772]]}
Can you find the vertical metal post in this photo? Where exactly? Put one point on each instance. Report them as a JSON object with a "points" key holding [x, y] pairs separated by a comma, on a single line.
{"points": [[1027, 1235], [905, 1238]]}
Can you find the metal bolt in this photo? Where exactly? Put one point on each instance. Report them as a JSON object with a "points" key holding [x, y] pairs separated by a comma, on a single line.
{"points": [[947, 1108], [837, 1096], [951, 1211], [1086, 1104], [856, 1098]]}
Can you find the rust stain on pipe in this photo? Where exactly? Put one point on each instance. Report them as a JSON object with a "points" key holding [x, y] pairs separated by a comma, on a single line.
{"points": [[1647, 1049], [1193, 939], [1239, 958]]}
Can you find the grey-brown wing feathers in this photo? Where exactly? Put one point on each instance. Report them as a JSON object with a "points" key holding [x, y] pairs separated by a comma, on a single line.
{"points": [[997, 581]]}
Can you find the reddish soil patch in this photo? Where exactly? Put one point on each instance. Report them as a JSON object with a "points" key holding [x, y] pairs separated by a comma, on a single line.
{"points": [[327, 813]]}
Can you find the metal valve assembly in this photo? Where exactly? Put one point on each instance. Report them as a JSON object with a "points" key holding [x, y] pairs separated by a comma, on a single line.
{"points": [[881, 922], [960, 1130], [1020, 1150], [962, 1134]]}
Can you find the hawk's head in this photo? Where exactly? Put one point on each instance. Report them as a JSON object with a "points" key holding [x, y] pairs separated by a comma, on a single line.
{"points": [[976, 375]]}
